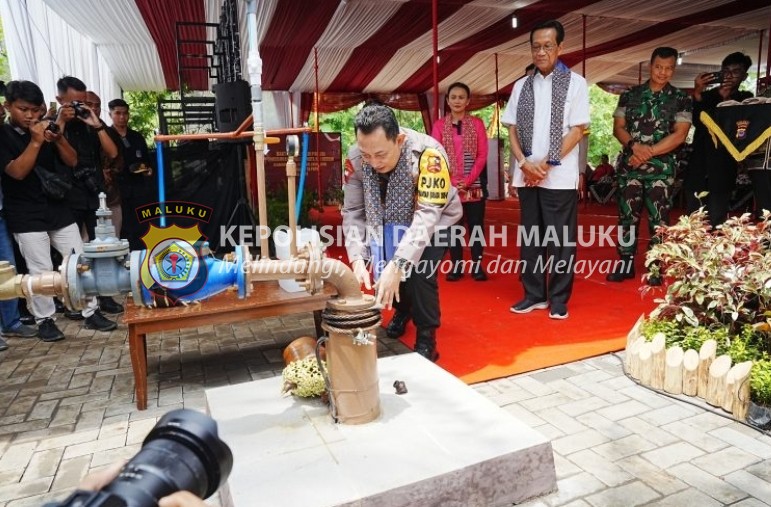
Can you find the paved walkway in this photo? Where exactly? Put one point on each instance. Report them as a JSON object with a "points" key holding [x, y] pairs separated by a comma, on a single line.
{"points": [[67, 408]]}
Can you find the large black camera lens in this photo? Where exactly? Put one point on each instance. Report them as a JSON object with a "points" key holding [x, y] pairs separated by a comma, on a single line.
{"points": [[80, 110], [182, 452]]}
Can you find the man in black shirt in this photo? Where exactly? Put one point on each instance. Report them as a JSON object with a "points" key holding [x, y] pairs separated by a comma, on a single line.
{"points": [[38, 219], [87, 134], [132, 168], [709, 169]]}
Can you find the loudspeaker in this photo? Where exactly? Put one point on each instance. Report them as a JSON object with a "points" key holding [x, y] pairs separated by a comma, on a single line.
{"points": [[232, 104]]}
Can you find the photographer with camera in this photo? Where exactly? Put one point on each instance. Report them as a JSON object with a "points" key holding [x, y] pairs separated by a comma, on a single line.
{"points": [[86, 133], [96, 481], [709, 170], [182, 460], [88, 136], [34, 155]]}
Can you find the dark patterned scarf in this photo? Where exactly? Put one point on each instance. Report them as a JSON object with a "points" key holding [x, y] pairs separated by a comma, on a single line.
{"points": [[399, 205], [526, 113]]}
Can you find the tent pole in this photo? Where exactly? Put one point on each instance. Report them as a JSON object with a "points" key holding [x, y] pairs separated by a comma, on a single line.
{"points": [[497, 116], [435, 30], [254, 63], [497, 105], [318, 127], [760, 55], [583, 48]]}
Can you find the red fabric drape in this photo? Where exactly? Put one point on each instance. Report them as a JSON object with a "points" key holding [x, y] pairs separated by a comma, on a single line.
{"points": [[161, 23], [498, 33], [293, 32], [369, 58]]}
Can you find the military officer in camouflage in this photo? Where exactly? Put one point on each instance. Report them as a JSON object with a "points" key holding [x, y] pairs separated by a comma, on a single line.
{"points": [[651, 122]]}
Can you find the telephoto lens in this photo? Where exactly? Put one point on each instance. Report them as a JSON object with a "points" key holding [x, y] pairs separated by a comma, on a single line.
{"points": [[182, 452]]}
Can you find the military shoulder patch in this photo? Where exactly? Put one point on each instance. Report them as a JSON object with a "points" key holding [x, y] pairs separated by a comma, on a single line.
{"points": [[433, 178]]}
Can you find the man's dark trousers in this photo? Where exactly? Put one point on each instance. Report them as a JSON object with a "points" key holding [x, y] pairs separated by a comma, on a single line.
{"points": [[554, 215], [419, 295]]}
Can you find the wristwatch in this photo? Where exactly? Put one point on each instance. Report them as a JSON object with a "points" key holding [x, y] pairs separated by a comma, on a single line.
{"points": [[629, 144], [404, 266]]}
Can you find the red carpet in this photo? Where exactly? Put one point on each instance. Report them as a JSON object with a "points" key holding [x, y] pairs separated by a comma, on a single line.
{"points": [[480, 339]]}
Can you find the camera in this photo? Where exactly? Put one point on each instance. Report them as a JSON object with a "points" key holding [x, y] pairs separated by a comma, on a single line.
{"points": [[80, 109], [182, 452], [715, 77], [87, 175], [52, 126]]}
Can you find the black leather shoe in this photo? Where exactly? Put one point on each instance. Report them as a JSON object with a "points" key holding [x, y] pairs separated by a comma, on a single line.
{"points": [[48, 332], [479, 275], [99, 322], [425, 344], [109, 305], [454, 276], [622, 270], [398, 325]]}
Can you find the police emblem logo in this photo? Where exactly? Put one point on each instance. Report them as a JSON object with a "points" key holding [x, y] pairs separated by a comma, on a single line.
{"points": [[741, 129], [173, 266]]}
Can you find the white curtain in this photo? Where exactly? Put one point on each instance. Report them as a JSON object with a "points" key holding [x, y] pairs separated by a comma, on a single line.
{"points": [[42, 47]]}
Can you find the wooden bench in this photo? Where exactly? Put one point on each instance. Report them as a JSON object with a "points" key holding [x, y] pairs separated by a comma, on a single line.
{"points": [[267, 300]]}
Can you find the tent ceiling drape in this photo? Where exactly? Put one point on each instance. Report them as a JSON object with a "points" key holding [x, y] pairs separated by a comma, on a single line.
{"points": [[374, 46]]}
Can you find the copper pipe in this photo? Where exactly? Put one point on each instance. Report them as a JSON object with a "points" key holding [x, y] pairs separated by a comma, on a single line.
{"points": [[232, 135], [243, 125], [334, 271], [213, 135]]}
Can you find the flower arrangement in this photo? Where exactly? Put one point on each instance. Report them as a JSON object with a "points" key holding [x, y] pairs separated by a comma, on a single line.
{"points": [[303, 378]]}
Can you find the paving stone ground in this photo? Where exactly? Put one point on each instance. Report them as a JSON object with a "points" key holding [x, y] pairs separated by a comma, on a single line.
{"points": [[67, 408]]}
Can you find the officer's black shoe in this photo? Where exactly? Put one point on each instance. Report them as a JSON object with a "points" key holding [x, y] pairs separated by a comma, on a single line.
{"points": [[425, 345], [622, 270], [398, 325], [109, 305], [456, 273]]}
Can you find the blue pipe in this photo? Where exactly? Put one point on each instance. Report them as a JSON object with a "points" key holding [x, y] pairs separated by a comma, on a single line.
{"points": [[214, 277], [161, 182], [303, 170]]}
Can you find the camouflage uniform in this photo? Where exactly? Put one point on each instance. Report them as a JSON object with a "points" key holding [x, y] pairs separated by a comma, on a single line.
{"points": [[650, 117]]}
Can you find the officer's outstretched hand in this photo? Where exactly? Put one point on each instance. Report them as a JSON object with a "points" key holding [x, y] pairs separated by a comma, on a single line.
{"points": [[359, 267], [387, 286]]}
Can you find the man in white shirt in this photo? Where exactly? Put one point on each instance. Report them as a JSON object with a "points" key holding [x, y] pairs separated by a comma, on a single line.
{"points": [[547, 115]]}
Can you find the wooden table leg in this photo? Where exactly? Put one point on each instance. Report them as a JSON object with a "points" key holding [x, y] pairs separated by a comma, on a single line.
{"points": [[138, 352], [317, 323]]}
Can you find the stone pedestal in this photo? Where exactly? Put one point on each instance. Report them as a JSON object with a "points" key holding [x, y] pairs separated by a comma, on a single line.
{"points": [[439, 444]]}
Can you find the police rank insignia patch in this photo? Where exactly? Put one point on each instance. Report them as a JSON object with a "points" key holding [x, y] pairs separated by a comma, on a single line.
{"points": [[434, 178]]}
